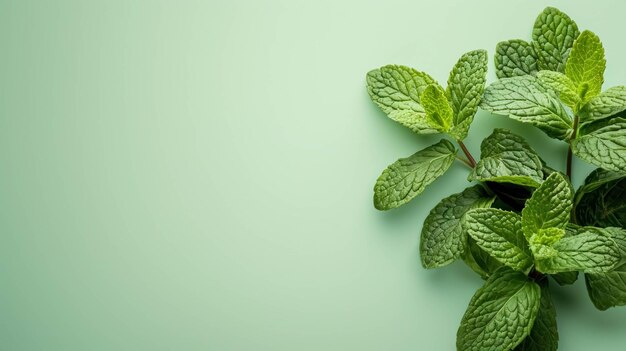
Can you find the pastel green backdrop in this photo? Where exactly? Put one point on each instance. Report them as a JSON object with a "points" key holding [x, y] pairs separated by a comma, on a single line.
{"points": [[197, 175]]}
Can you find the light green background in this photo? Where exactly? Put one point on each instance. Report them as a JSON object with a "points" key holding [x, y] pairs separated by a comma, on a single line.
{"points": [[197, 175]]}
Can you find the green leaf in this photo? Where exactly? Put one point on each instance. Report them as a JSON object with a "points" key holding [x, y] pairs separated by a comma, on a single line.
{"points": [[544, 336], [524, 99], [600, 201], [564, 86], [507, 158], [609, 289], [586, 65], [438, 110], [396, 90], [408, 177], [443, 239], [479, 260], [608, 103], [588, 251], [549, 206], [466, 85], [515, 58], [501, 313], [604, 147], [553, 37], [565, 278], [500, 234]]}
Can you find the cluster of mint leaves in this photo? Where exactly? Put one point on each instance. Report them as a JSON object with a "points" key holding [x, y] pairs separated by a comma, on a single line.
{"points": [[520, 225]]}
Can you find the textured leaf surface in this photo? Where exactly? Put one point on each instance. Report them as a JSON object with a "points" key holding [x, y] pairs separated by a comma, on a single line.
{"points": [[438, 111], [549, 206], [564, 86], [500, 234], [501, 313], [443, 239], [586, 65], [515, 58], [544, 336], [589, 252], [604, 147], [608, 103], [397, 90], [600, 201], [524, 99], [553, 37], [408, 177], [466, 85], [609, 289], [507, 158]]}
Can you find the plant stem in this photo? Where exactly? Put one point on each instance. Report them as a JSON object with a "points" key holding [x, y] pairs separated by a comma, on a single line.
{"points": [[470, 159], [568, 167]]}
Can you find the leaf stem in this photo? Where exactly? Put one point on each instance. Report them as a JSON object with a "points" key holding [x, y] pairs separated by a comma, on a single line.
{"points": [[465, 162], [568, 167], [470, 159]]}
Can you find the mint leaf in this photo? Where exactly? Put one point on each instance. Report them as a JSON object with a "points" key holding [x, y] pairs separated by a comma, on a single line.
{"points": [[600, 201], [396, 90], [524, 99], [586, 65], [479, 260], [549, 206], [501, 313], [604, 147], [544, 336], [608, 103], [553, 37], [466, 85], [408, 177], [507, 158], [609, 289], [500, 234], [438, 111], [588, 251], [443, 239], [515, 58], [564, 86]]}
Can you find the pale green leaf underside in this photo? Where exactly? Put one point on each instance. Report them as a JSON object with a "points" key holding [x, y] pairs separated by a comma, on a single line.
{"points": [[564, 86], [515, 58], [589, 252], [500, 234], [544, 336], [466, 85], [507, 158], [549, 206], [501, 313], [586, 64], [553, 37], [608, 103], [408, 177], [438, 110], [396, 90], [443, 239], [524, 99], [605, 147]]}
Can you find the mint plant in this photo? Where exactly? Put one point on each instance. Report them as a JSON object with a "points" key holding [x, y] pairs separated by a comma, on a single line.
{"points": [[520, 225]]}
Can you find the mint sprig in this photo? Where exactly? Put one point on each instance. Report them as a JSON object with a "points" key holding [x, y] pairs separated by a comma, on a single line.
{"points": [[520, 224]]}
